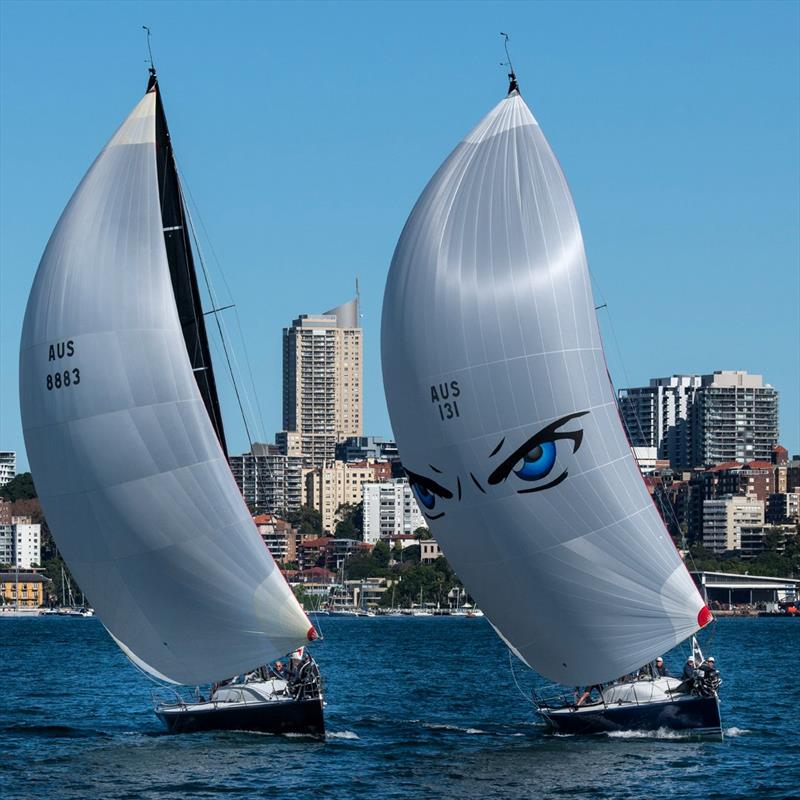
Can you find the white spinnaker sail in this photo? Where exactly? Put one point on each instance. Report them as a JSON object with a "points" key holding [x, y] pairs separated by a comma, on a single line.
{"points": [[506, 419], [130, 474]]}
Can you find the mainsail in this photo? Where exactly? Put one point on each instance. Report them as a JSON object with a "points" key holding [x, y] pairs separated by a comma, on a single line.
{"points": [[506, 420], [177, 238], [128, 467]]}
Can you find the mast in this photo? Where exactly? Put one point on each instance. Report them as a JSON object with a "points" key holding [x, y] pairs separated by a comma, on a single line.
{"points": [[181, 267]]}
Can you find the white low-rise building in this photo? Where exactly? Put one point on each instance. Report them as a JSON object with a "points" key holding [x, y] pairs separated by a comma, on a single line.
{"points": [[429, 551]]}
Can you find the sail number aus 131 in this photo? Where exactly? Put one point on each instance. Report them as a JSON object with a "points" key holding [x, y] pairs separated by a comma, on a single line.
{"points": [[444, 395], [61, 379]]}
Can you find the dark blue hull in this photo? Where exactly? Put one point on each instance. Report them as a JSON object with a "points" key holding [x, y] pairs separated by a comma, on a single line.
{"points": [[691, 714], [292, 716]]}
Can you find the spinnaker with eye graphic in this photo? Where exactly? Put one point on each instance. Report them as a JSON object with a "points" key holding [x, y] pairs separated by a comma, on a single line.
{"points": [[506, 420]]}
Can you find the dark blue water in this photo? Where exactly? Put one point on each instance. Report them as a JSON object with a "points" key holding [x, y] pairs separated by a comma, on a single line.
{"points": [[416, 708]]}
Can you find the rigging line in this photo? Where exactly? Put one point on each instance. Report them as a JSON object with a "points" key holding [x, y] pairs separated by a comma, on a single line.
{"points": [[516, 682], [217, 320], [217, 261], [666, 510]]}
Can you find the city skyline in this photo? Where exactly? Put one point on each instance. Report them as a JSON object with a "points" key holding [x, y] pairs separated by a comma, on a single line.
{"points": [[318, 210]]}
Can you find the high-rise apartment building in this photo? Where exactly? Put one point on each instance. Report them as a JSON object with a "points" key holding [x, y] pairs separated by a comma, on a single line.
{"points": [[658, 416], [737, 418], [322, 381], [390, 509], [8, 466], [696, 420], [269, 481]]}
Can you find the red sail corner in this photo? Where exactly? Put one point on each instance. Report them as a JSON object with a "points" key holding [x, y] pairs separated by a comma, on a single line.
{"points": [[704, 616], [312, 633]]}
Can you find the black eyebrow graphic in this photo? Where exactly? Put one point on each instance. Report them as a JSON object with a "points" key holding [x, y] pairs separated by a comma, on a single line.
{"points": [[434, 469], [429, 484], [546, 434], [458, 483]]}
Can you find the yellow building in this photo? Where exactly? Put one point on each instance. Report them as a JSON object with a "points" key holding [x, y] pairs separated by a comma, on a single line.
{"points": [[28, 588], [336, 484]]}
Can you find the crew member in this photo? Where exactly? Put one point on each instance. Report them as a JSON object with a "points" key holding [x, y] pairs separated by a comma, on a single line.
{"points": [[709, 665], [688, 669], [661, 670], [587, 694]]}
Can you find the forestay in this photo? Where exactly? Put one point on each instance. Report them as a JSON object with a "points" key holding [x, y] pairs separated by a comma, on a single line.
{"points": [[130, 474], [506, 419]]}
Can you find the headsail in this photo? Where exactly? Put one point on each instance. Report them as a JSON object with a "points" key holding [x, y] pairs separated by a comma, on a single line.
{"points": [[506, 420], [131, 475]]}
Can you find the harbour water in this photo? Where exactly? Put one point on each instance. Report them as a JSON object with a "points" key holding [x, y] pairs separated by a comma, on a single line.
{"points": [[416, 708]]}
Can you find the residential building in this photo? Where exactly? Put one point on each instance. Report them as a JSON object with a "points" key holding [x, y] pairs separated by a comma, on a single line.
{"points": [[328, 552], [793, 475], [390, 508], [339, 483], [783, 508], [27, 543], [8, 466], [361, 448], [312, 552], [755, 539], [697, 420], [737, 418], [658, 416], [5, 512], [279, 536], [268, 480], [24, 588], [429, 551], [754, 478], [724, 518], [7, 544], [322, 380], [21, 543]]}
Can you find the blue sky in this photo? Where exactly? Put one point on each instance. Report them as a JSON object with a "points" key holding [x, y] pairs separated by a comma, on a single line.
{"points": [[306, 131]]}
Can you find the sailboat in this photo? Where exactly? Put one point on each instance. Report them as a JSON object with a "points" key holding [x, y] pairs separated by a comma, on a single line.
{"points": [[125, 439], [507, 425]]}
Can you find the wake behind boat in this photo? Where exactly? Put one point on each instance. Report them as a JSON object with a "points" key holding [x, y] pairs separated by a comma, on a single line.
{"points": [[125, 438]]}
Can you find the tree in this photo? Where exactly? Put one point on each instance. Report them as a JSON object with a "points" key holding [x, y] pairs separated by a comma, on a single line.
{"points": [[307, 520], [19, 488], [422, 533], [30, 508], [381, 554], [302, 595], [351, 521]]}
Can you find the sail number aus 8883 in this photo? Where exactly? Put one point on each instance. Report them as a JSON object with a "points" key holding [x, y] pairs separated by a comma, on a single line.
{"points": [[60, 380]]}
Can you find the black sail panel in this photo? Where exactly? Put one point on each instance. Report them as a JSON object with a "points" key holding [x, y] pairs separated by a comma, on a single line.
{"points": [[182, 270]]}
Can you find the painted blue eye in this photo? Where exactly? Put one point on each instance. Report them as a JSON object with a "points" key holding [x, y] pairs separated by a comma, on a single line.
{"points": [[426, 497], [537, 462]]}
